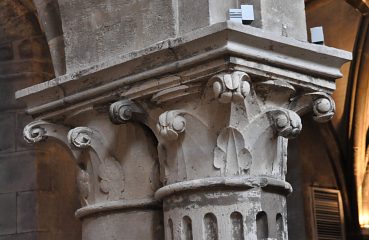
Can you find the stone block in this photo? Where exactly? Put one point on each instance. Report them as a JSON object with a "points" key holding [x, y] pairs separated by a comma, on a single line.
{"points": [[27, 212], [7, 123], [23, 26], [18, 172], [131, 224], [94, 31], [32, 48], [8, 213], [6, 52], [189, 19], [195, 14], [27, 236], [7, 100], [25, 49], [10, 83], [219, 10], [274, 16]]}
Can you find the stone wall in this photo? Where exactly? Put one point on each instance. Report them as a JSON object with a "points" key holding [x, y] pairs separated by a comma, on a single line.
{"points": [[37, 190]]}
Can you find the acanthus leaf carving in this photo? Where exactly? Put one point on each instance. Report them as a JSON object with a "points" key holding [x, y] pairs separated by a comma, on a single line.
{"points": [[228, 87], [286, 122], [109, 170], [322, 105], [83, 183], [171, 124], [111, 178], [231, 156]]}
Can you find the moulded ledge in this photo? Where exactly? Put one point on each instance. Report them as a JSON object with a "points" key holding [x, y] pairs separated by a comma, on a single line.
{"points": [[218, 47]]}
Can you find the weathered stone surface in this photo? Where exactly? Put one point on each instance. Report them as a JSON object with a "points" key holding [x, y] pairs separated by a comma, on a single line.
{"points": [[276, 17], [245, 47], [95, 31], [17, 172], [27, 208], [220, 103], [8, 124], [207, 12], [127, 225], [8, 216], [27, 236], [6, 52], [22, 120]]}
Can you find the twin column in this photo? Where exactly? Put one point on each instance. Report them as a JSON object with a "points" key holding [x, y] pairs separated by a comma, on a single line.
{"points": [[203, 162]]}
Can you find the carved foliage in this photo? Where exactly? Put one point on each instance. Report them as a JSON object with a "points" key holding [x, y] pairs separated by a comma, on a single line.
{"points": [[286, 122], [230, 155], [83, 183], [109, 171], [171, 124], [230, 87]]}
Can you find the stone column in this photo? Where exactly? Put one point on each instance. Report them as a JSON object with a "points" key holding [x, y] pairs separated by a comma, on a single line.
{"points": [[223, 156], [220, 104]]}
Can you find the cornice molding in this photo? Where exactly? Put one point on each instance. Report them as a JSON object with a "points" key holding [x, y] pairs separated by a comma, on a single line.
{"points": [[219, 47]]}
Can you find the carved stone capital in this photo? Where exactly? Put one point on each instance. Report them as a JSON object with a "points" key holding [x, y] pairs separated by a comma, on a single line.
{"points": [[125, 110], [171, 124], [230, 155], [230, 87], [107, 170]]}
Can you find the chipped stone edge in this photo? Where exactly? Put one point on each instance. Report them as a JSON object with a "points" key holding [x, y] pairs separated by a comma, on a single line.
{"points": [[230, 182], [117, 205]]}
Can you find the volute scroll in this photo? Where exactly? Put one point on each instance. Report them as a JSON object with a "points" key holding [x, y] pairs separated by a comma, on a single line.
{"points": [[321, 104]]}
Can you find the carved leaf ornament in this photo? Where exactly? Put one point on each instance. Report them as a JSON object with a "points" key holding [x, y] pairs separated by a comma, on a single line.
{"points": [[111, 179], [110, 172], [230, 154], [231, 87]]}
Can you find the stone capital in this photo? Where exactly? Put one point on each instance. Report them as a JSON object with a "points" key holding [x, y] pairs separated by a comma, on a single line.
{"points": [[213, 109]]}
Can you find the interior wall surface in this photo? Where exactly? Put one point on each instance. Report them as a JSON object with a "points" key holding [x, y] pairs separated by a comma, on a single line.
{"points": [[322, 159], [37, 190]]}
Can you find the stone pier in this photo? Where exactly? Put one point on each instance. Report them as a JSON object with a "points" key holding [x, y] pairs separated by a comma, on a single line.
{"points": [[182, 133]]}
